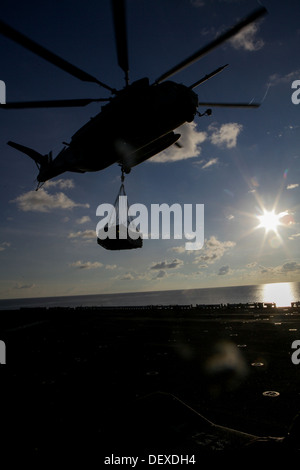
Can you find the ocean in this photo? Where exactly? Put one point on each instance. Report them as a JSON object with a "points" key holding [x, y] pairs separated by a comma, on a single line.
{"points": [[280, 293]]}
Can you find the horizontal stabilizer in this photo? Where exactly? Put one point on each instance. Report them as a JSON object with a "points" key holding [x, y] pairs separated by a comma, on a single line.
{"points": [[36, 156]]}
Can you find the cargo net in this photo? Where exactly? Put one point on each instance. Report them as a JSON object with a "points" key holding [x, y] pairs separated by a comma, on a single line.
{"points": [[120, 233]]}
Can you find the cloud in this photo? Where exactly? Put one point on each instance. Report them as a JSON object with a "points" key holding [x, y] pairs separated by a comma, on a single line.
{"points": [[213, 250], [160, 275], [208, 31], [197, 3], [176, 263], [230, 217], [61, 184], [87, 234], [42, 201], [265, 270], [86, 265], [83, 220], [165, 266], [211, 162], [132, 276], [223, 270], [251, 265], [111, 266], [246, 39], [190, 140], [178, 249], [127, 277], [277, 79], [292, 186], [226, 135], [24, 286], [4, 245], [290, 266]]}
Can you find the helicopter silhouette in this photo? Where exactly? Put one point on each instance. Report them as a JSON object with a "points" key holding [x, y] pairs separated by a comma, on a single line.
{"points": [[123, 132]]}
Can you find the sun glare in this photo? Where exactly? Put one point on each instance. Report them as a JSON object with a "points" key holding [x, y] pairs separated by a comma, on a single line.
{"points": [[282, 293], [270, 221]]}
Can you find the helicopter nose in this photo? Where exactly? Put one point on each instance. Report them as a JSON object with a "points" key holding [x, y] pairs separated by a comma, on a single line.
{"points": [[191, 104], [194, 98]]}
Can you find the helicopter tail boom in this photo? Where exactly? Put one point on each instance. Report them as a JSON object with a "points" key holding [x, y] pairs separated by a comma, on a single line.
{"points": [[36, 156]]}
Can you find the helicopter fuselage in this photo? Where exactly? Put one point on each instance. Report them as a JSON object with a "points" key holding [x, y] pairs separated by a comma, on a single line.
{"points": [[138, 122], [135, 125]]}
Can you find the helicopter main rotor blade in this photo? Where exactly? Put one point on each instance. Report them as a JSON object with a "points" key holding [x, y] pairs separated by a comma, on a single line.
{"points": [[54, 59], [207, 77], [216, 42], [231, 105], [119, 16], [51, 103]]}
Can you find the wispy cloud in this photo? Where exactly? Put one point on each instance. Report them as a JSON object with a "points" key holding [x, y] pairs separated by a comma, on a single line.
{"points": [[4, 245], [197, 3], [111, 266], [251, 265], [213, 250], [19, 286], [209, 163], [190, 141], [86, 265], [176, 263], [132, 276], [288, 267], [83, 220], [160, 275], [208, 31], [179, 249], [165, 267], [292, 186], [127, 277], [42, 201], [247, 39], [86, 234], [277, 79], [224, 270], [226, 135], [61, 184]]}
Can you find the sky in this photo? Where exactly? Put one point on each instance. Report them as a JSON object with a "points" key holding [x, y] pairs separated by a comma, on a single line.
{"points": [[239, 163]]}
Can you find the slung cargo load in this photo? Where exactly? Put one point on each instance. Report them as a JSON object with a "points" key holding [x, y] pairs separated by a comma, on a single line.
{"points": [[120, 233]]}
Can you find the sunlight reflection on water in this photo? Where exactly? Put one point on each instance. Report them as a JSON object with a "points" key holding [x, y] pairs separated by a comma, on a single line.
{"points": [[282, 293]]}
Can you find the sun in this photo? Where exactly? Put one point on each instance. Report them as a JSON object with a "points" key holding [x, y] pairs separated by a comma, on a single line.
{"points": [[270, 220]]}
